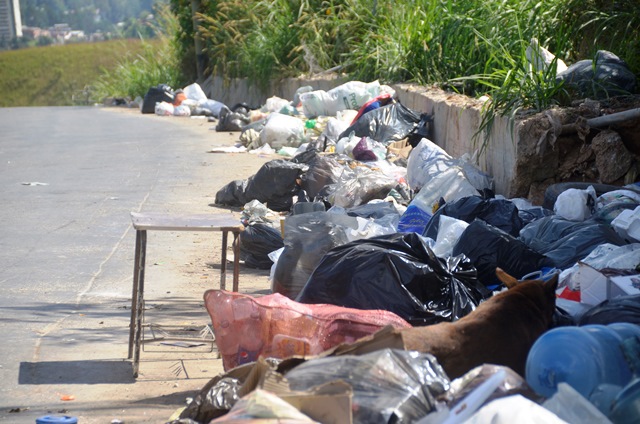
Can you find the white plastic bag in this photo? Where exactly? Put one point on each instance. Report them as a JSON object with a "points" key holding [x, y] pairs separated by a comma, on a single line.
{"points": [[182, 110], [164, 109], [275, 104], [350, 95], [282, 130], [449, 232], [213, 106], [426, 160], [194, 92], [576, 205]]}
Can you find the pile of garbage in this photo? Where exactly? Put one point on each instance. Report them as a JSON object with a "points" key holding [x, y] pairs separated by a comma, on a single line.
{"points": [[374, 236]]}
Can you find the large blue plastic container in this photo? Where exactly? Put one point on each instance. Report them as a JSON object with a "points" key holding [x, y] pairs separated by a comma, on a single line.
{"points": [[584, 357]]}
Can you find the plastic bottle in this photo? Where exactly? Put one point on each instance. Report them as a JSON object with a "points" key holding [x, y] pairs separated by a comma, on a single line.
{"points": [[584, 357]]}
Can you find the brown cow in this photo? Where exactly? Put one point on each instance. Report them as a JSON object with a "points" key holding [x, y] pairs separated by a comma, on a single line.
{"points": [[500, 331]]}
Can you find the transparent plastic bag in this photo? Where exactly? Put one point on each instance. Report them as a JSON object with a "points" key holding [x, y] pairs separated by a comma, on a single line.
{"points": [[448, 234], [389, 385], [282, 130]]}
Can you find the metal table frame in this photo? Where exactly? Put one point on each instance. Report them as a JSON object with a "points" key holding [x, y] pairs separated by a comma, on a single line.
{"points": [[143, 222]]}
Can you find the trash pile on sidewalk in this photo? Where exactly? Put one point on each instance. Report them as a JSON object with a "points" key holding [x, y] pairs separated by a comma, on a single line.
{"points": [[405, 290]]}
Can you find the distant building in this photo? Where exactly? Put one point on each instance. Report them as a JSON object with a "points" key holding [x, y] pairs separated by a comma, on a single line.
{"points": [[10, 19]]}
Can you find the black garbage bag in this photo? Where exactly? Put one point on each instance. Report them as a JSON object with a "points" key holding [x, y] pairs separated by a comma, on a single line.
{"points": [[256, 242], [389, 385], [386, 124], [307, 238], [618, 309], [500, 213], [160, 93], [565, 242], [422, 130], [397, 273], [231, 121], [232, 194], [489, 247], [527, 216], [604, 76], [275, 184]]}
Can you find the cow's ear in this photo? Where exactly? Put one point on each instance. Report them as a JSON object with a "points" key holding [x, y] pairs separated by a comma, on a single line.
{"points": [[551, 285], [506, 279]]}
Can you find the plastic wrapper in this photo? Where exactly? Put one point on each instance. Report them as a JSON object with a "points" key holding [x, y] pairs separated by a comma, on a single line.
{"points": [[619, 309], [307, 238], [399, 273], [275, 183], [386, 124], [282, 131], [565, 242], [500, 213], [389, 385], [256, 242], [358, 186], [275, 326], [488, 247]]}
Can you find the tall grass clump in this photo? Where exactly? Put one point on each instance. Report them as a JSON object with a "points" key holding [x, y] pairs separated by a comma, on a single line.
{"points": [[157, 63]]}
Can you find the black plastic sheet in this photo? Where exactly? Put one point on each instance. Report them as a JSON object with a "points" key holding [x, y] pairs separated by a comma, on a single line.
{"points": [[489, 247], [256, 242], [500, 213], [398, 273], [386, 124]]}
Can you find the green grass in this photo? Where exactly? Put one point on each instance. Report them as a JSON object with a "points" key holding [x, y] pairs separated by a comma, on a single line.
{"points": [[53, 75]]}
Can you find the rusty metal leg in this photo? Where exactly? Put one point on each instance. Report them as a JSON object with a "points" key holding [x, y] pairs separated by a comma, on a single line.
{"points": [[223, 261], [236, 261], [141, 251], [134, 294]]}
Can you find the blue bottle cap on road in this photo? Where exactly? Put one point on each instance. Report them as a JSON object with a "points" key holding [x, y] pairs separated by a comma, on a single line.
{"points": [[52, 419]]}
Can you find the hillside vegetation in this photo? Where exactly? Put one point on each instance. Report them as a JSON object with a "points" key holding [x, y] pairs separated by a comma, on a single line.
{"points": [[60, 75]]}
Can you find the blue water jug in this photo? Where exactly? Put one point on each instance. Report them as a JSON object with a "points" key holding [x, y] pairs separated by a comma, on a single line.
{"points": [[584, 357]]}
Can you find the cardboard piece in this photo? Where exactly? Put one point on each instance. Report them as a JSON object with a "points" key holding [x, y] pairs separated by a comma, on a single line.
{"points": [[598, 286], [624, 285]]}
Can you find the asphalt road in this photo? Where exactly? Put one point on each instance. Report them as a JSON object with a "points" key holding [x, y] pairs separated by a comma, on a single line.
{"points": [[70, 178]]}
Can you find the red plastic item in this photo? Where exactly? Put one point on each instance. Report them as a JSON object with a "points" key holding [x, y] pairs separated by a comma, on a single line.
{"points": [[569, 294], [275, 326]]}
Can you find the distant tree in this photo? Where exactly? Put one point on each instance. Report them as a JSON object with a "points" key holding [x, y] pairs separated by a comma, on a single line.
{"points": [[44, 40]]}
